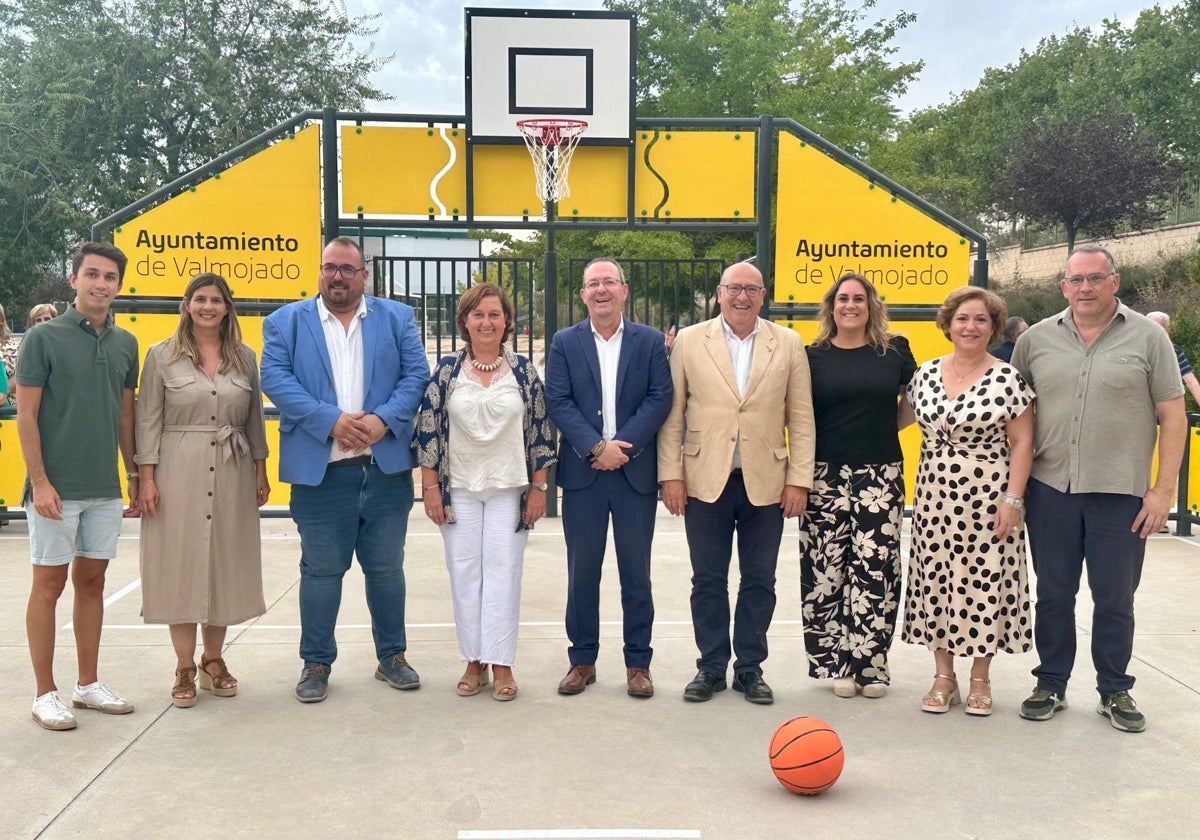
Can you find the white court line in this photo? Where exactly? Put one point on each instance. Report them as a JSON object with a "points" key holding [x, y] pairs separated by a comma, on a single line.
{"points": [[429, 625], [113, 598], [580, 833]]}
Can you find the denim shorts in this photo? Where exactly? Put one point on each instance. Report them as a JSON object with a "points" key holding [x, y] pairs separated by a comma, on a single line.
{"points": [[89, 528]]}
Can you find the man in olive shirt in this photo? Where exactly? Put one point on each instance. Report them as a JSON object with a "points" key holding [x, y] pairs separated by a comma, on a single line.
{"points": [[1107, 386], [76, 377]]}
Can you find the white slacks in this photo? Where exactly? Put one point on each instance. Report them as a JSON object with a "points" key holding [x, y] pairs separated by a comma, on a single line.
{"points": [[485, 556]]}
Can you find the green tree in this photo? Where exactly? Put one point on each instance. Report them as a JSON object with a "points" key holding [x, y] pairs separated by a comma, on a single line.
{"points": [[1091, 173], [816, 61], [105, 100]]}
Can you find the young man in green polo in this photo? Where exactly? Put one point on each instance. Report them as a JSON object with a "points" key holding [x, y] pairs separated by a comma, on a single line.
{"points": [[76, 377]]}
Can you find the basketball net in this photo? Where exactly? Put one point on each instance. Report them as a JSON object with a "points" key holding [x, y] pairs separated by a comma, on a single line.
{"points": [[551, 143]]}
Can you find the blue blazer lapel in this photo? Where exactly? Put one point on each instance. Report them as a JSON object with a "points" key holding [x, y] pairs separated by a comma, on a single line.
{"points": [[313, 321], [370, 329], [587, 346], [628, 349]]}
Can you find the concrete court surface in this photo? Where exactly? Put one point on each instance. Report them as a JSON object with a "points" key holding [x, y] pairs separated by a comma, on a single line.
{"points": [[374, 762]]}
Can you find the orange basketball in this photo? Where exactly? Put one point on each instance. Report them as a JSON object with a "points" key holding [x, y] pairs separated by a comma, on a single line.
{"points": [[806, 755]]}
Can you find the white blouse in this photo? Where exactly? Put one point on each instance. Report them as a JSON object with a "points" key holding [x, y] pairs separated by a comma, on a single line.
{"points": [[487, 443]]}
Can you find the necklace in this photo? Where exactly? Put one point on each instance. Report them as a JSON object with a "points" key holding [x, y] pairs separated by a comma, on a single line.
{"points": [[962, 376], [488, 367]]}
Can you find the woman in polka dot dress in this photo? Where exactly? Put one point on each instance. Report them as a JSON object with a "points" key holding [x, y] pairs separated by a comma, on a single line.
{"points": [[967, 588]]}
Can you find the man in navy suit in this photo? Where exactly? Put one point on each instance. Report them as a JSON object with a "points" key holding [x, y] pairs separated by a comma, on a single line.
{"points": [[347, 373], [608, 389]]}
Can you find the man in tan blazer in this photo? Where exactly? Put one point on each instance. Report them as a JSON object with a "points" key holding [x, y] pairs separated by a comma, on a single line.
{"points": [[736, 454]]}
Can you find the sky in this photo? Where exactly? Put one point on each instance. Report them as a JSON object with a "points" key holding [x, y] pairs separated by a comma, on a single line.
{"points": [[957, 39]]}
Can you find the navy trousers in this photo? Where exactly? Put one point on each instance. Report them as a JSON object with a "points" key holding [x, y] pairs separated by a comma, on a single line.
{"points": [[710, 528], [1067, 531], [585, 517]]}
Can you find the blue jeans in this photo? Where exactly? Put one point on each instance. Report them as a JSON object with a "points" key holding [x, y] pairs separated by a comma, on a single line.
{"points": [[361, 510], [1066, 532]]}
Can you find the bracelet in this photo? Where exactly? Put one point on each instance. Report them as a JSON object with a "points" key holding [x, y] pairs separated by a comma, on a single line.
{"points": [[1012, 499], [428, 487], [132, 475], [598, 449]]}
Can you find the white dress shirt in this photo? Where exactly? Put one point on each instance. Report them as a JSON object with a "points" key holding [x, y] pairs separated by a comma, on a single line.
{"points": [[609, 352], [741, 353], [345, 346]]}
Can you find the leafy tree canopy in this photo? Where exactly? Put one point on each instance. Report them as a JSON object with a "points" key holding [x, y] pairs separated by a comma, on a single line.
{"points": [[102, 101]]}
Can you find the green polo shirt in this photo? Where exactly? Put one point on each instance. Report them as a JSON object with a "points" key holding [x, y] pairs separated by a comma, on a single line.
{"points": [[1096, 427], [83, 377]]}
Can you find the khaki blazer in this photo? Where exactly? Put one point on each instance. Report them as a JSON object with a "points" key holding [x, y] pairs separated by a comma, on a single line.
{"points": [[773, 421]]}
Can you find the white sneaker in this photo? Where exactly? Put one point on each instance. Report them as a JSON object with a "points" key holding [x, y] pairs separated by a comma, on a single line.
{"points": [[50, 713], [100, 697]]}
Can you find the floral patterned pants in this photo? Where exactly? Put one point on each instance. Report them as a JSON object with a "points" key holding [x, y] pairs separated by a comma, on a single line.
{"points": [[850, 569]]}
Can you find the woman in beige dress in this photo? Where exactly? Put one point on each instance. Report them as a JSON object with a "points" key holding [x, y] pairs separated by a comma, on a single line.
{"points": [[201, 451]]}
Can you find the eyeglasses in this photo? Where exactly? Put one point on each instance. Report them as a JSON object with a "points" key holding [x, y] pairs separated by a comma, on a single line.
{"points": [[346, 272], [607, 282], [1091, 279], [735, 289]]}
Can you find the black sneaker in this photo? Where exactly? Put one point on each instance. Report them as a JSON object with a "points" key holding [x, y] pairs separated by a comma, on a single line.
{"points": [[1042, 704], [1121, 711], [314, 684]]}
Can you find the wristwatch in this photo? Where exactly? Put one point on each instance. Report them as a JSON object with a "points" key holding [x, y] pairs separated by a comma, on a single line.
{"points": [[541, 485]]}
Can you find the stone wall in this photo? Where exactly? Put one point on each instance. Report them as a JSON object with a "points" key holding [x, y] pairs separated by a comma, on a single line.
{"points": [[1013, 265]]}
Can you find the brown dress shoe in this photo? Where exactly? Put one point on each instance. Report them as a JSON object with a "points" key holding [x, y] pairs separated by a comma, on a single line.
{"points": [[577, 679], [640, 684]]}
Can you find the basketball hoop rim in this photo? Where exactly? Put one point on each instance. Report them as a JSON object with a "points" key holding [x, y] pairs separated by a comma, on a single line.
{"points": [[551, 131]]}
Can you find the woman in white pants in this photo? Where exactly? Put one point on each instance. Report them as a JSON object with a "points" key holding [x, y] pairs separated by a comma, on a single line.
{"points": [[483, 442]]}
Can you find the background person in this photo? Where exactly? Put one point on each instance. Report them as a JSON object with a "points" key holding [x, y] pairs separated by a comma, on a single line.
{"points": [[485, 449], [347, 372], [1013, 327], [1109, 388], [736, 455], [850, 537], [609, 392], [968, 590], [1186, 372], [201, 450], [9, 347], [40, 314]]}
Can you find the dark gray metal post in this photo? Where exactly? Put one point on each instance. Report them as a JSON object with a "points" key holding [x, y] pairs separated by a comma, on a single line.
{"points": [[762, 201], [329, 174], [980, 275]]}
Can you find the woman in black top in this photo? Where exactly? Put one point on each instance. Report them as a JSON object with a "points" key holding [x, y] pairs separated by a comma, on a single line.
{"points": [[850, 540]]}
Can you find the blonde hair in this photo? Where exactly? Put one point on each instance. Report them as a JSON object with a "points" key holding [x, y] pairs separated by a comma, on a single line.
{"points": [[40, 310], [234, 355]]}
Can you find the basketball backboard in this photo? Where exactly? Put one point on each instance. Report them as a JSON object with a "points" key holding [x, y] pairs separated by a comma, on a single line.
{"points": [[528, 63]]}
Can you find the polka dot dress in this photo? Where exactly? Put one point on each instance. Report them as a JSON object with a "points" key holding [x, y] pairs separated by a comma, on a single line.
{"points": [[967, 591]]}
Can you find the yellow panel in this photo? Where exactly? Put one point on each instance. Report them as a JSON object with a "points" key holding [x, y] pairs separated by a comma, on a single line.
{"points": [[708, 174], [599, 181], [927, 342], [504, 182], [1193, 499], [12, 471], [258, 224], [832, 220], [394, 171]]}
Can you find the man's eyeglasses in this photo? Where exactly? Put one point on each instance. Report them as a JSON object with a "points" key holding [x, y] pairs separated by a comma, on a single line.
{"points": [[1091, 279], [346, 272], [735, 289], [607, 282]]}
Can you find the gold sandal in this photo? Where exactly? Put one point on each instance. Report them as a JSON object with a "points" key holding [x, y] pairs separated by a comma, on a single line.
{"points": [[183, 693], [939, 702], [472, 684], [982, 703], [222, 683], [505, 689]]}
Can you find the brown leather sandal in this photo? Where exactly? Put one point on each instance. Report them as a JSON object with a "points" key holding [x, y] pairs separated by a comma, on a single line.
{"points": [[222, 683], [183, 693]]}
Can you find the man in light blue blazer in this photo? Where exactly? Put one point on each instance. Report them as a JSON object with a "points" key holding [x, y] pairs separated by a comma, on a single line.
{"points": [[608, 389], [347, 372]]}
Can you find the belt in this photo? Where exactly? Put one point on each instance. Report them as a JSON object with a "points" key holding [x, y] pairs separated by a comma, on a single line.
{"points": [[357, 461], [231, 439]]}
